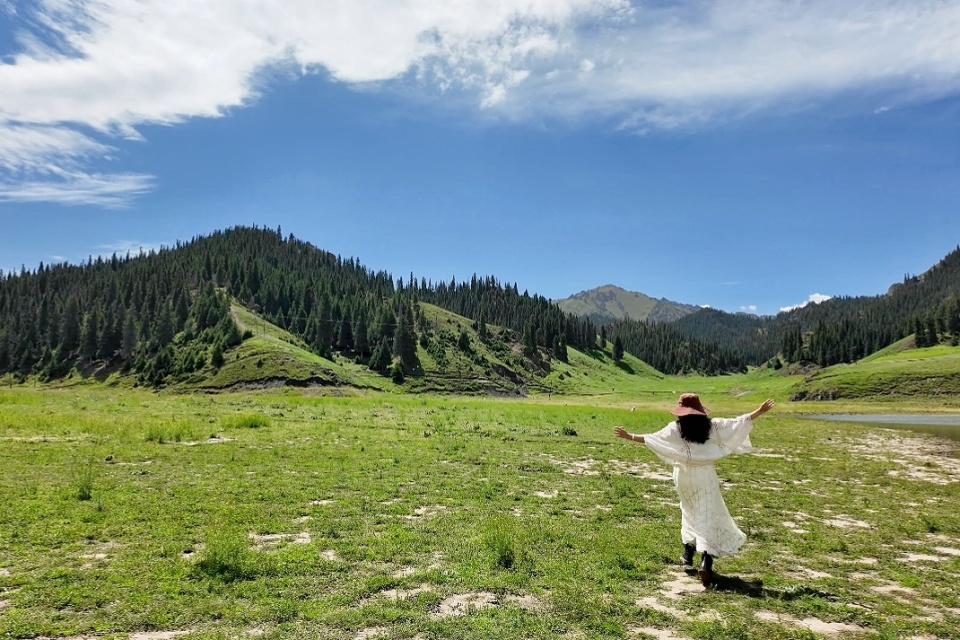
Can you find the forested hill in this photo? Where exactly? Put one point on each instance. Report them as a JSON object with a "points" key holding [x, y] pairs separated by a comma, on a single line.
{"points": [[167, 315], [167, 312], [843, 329]]}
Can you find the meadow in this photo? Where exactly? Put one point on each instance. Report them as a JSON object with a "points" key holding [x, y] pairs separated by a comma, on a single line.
{"points": [[127, 513]]}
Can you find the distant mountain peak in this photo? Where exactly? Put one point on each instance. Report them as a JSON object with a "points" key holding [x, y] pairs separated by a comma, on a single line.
{"points": [[609, 303]]}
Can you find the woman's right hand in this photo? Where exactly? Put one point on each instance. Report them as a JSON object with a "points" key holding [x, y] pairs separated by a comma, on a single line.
{"points": [[620, 432]]}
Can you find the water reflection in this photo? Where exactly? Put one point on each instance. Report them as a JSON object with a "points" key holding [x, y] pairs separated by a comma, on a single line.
{"points": [[945, 426]]}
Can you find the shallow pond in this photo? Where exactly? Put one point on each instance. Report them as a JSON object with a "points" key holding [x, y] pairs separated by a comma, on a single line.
{"points": [[946, 426]]}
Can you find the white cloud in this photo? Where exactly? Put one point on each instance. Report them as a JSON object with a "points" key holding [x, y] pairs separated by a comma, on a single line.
{"points": [[133, 247], [814, 298], [106, 190], [750, 308], [114, 65]]}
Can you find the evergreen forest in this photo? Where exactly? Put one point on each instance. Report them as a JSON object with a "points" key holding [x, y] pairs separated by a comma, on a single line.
{"points": [[166, 314]]}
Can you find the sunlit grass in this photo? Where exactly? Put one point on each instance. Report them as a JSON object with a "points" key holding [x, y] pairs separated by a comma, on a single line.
{"points": [[325, 517]]}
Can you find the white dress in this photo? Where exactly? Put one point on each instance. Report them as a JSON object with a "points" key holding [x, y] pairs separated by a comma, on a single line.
{"points": [[705, 521]]}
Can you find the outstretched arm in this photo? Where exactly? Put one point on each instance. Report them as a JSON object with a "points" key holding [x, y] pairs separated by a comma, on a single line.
{"points": [[762, 409], [620, 432]]}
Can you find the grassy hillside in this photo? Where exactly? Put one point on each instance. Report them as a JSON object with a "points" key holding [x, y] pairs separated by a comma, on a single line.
{"points": [[497, 364], [271, 356], [492, 365], [894, 373]]}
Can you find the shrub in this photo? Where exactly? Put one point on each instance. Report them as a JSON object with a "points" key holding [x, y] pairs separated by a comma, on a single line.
{"points": [[226, 556], [505, 546], [246, 421], [83, 480]]}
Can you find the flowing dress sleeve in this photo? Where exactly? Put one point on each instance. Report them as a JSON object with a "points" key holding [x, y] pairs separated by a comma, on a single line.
{"points": [[668, 444], [734, 433]]}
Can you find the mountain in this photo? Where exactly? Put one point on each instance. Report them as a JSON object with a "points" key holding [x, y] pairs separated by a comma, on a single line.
{"points": [[200, 314], [248, 306], [843, 329], [610, 303]]}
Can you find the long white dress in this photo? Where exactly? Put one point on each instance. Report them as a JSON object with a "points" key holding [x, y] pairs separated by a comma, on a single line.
{"points": [[705, 521]]}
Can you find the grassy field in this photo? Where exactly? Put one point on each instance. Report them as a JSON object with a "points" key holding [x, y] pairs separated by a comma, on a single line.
{"points": [[894, 373], [145, 515]]}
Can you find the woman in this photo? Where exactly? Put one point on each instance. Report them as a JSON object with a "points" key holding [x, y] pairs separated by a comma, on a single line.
{"points": [[692, 443]]}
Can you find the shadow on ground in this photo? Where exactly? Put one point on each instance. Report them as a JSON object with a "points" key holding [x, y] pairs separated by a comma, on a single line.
{"points": [[756, 588]]}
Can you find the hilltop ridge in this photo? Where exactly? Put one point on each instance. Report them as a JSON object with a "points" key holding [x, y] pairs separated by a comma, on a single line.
{"points": [[609, 303]]}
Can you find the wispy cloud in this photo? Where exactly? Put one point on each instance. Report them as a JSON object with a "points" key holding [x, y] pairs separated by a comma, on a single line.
{"points": [[99, 69], [814, 298], [133, 247], [749, 308], [107, 190]]}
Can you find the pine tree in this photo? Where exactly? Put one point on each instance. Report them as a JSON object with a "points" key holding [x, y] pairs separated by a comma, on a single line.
{"points": [[128, 345], [88, 337], [617, 349], [70, 326], [529, 341], [345, 335], [361, 345], [560, 349], [380, 359], [405, 342]]}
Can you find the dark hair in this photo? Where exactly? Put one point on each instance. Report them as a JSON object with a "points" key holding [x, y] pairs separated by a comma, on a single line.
{"points": [[694, 428]]}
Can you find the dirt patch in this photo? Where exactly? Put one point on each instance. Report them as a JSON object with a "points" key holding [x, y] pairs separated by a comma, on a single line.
{"points": [[659, 634], [680, 586], [267, 540], [213, 440], [846, 522], [920, 557], [425, 512], [804, 572], [405, 594], [864, 561], [651, 602], [464, 603], [320, 503], [925, 459], [894, 590], [813, 624], [330, 555], [158, 635], [546, 494], [372, 632], [947, 551]]}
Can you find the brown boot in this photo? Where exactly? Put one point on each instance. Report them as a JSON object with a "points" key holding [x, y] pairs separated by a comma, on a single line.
{"points": [[706, 570]]}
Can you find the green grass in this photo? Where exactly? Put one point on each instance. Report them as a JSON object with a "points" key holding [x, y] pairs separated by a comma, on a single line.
{"points": [[297, 516], [895, 374]]}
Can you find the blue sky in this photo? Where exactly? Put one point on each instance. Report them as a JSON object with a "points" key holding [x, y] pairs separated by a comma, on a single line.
{"points": [[742, 155]]}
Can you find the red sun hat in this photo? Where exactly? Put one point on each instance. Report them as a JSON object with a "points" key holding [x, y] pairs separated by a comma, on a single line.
{"points": [[688, 405]]}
